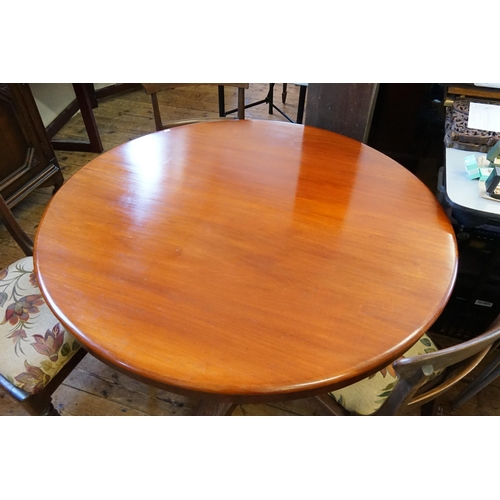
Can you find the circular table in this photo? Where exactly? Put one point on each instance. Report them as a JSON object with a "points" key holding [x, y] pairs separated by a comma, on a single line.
{"points": [[245, 261]]}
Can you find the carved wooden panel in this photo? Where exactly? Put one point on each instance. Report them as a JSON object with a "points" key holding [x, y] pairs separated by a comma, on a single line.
{"points": [[27, 160]]}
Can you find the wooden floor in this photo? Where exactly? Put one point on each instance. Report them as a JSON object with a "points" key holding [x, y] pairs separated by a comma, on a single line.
{"points": [[96, 389]]}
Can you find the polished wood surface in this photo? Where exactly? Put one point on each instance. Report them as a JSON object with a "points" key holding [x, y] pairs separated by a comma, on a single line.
{"points": [[245, 261]]}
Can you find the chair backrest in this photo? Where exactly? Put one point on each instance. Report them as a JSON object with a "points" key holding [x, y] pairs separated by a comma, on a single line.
{"points": [[152, 90], [15, 229], [417, 385], [344, 108]]}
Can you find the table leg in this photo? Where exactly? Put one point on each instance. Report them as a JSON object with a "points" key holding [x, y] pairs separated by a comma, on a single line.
{"points": [[214, 408]]}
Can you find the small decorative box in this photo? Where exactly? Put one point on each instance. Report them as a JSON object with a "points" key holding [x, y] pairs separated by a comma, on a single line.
{"points": [[471, 167], [492, 183], [494, 152], [484, 173]]}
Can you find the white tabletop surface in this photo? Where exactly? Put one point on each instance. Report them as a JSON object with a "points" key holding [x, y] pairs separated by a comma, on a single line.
{"points": [[462, 191]]}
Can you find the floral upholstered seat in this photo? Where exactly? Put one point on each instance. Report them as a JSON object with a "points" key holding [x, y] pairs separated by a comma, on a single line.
{"points": [[368, 395], [34, 346]]}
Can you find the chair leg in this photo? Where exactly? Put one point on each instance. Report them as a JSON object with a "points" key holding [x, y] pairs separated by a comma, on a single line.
{"points": [[241, 103], [222, 103], [40, 403], [156, 112], [302, 102], [283, 95], [40, 406], [270, 96]]}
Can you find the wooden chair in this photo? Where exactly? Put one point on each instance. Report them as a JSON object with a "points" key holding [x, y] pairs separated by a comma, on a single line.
{"points": [[152, 89], [301, 103], [417, 379], [36, 353], [490, 373], [344, 108]]}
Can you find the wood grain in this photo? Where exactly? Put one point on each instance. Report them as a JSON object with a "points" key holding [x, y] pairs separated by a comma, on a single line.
{"points": [[245, 261]]}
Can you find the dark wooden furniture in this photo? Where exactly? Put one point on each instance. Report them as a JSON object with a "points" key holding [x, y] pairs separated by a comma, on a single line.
{"points": [[269, 100], [399, 120], [417, 385], [27, 161], [152, 90], [39, 403], [300, 106], [344, 108], [246, 261], [401, 127], [453, 91], [86, 99]]}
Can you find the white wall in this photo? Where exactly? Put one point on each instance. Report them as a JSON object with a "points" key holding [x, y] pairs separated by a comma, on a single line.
{"points": [[53, 98]]}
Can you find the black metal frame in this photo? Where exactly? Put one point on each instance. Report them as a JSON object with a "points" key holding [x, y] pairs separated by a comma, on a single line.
{"points": [[269, 99]]}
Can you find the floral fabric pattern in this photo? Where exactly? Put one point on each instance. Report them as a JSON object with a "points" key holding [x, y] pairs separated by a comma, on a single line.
{"points": [[368, 395], [33, 344], [20, 311]]}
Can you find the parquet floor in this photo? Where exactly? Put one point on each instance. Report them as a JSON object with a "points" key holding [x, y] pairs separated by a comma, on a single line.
{"points": [[94, 388]]}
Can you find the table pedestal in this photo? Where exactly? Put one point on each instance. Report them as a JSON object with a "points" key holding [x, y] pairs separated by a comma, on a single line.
{"points": [[214, 408]]}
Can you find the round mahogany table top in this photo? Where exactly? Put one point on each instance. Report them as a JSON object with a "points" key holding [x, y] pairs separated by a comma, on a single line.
{"points": [[245, 260]]}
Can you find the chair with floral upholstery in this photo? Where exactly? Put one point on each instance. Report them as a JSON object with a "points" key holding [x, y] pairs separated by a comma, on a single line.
{"points": [[36, 352], [416, 379]]}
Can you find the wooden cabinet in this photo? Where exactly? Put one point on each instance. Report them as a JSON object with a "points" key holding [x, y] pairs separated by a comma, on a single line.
{"points": [[28, 160]]}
